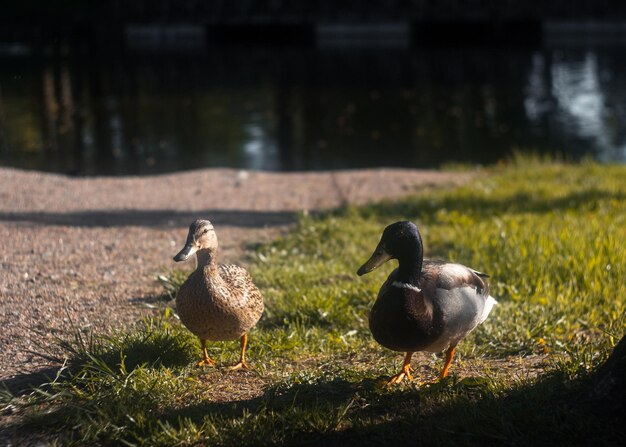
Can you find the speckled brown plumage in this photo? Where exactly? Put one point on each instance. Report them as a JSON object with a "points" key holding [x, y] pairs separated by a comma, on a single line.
{"points": [[216, 302], [220, 303]]}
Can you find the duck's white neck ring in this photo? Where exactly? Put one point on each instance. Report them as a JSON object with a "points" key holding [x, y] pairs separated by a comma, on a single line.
{"points": [[404, 285]]}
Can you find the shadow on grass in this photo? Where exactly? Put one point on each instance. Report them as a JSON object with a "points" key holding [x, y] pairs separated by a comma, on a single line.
{"points": [[549, 412], [304, 318], [330, 412], [22, 384], [155, 350], [149, 346], [426, 208]]}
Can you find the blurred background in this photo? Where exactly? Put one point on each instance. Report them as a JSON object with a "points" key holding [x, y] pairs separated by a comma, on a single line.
{"points": [[152, 86]]}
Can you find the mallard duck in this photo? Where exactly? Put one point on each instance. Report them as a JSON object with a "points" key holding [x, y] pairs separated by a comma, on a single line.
{"points": [[216, 302], [423, 305]]}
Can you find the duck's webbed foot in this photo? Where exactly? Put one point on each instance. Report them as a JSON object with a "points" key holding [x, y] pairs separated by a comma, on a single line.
{"points": [[242, 359], [241, 365], [405, 372], [206, 361]]}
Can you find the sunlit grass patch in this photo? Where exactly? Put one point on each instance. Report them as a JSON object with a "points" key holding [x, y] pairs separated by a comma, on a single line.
{"points": [[550, 235]]}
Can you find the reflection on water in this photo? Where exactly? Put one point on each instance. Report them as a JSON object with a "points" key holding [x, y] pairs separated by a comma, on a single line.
{"points": [[75, 111], [581, 98]]}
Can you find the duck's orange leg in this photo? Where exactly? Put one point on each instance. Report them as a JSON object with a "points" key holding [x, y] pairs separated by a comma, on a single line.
{"points": [[405, 372], [206, 361], [446, 365], [242, 360]]}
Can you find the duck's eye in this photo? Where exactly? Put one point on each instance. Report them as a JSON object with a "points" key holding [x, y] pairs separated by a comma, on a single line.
{"points": [[205, 231]]}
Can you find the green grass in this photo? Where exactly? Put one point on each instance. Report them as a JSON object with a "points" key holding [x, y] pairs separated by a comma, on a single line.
{"points": [[550, 235]]}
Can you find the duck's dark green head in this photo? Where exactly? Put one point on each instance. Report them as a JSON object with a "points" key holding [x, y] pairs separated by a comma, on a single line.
{"points": [[400, 240]]}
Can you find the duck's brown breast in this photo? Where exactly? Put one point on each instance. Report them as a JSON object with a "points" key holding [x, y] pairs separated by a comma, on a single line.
{"points": [[401, 321], [211, 313]]}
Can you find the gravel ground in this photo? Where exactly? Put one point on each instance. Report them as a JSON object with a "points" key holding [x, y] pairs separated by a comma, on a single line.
{"points": [[86, 251]]}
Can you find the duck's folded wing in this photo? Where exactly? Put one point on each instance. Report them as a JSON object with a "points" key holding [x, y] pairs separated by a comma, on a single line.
{"points": [[451, 276], [448, 276], [241, 290]]}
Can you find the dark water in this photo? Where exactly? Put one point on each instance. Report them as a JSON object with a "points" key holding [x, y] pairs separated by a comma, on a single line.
{"points": [[83, 112]]}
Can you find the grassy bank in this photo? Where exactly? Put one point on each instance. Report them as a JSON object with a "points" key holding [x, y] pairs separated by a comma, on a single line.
{"points": [[551, 237]]}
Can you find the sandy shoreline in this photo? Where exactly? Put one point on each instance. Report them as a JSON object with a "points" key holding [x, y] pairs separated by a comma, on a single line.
{"points": [[88, 249]]}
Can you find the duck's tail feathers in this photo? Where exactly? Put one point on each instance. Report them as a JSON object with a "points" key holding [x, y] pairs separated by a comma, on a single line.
{"points": [[489, 303]]}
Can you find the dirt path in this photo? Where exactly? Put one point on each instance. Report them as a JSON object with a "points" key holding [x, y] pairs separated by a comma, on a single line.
{"points": [[87, 250]]}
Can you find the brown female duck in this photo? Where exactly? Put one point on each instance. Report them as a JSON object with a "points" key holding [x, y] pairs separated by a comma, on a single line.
{"points": [[217, 302], [423, 305]]}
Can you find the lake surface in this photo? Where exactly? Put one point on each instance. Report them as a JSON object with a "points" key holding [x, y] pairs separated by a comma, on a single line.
{"points": [[75, 110]]}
